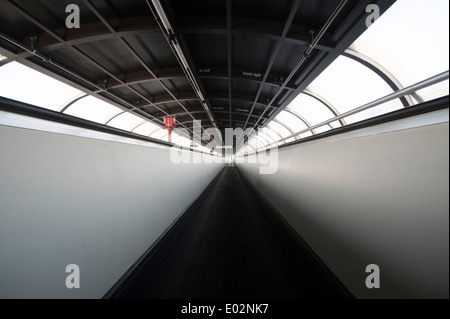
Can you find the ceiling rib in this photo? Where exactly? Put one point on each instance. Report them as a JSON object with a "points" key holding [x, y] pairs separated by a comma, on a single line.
{"points": [[252, 28], [29, 17], [167, 29], [287, 127], [302, 60], [141, 62], [275, 51], [229, 49], [301, 118], [76, 50], [62, 68]]}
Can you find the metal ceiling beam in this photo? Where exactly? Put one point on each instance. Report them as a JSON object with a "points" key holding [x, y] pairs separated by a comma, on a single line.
{"points": [[127, 46], [249, 27], [344, 37], [94, 31], [349, 31], [229, 52], [224, 120], [308, 52], [215, 111], [29, 17], [276, 49], [111, 98], [223, 76], [162, 19], [141, 77], [236, 98], [61, 40]]}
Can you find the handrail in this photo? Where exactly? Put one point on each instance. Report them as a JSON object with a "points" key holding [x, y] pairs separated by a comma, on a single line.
{"points": [[392, 96]]}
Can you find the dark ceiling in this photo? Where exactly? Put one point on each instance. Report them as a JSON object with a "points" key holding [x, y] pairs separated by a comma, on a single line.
{"points": [[241, 53]]}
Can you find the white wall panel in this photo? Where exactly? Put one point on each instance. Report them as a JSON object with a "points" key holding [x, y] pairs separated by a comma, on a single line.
{"points": [[74, 200], [381, 198]]}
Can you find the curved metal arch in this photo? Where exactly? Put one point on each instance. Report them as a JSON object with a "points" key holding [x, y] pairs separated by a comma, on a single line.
{"points": [[261, 139], [248, 145], [114, 116], [287, 127], [301, 118], [160, 128], [255, 141], [267, 137], [214, 111], [381, 71], [183, 123], [138, 126], [265, 127], [166, 134], [235, 98], [179, 137], [73, 101], [327, 104]]}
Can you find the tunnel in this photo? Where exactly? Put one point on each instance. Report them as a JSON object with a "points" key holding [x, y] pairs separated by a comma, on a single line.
{"points": [[224, 150]]}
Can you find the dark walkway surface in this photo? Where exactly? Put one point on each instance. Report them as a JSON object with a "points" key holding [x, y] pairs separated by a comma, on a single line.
{"points": [[231, 246]]}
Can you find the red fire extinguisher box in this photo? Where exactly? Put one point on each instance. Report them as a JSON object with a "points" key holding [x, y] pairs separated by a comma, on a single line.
{"points": [[169, 121]]}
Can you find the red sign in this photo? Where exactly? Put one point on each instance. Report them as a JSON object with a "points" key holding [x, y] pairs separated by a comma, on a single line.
{"points": [[169, 121]]}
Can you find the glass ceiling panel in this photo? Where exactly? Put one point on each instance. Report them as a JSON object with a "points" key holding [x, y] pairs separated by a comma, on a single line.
{"points": [[24, 84], [434, 91], [260, 140], [93, 109], [395, 39], [125, 121], [21, 83], [280, 129], [348, 84], [311, 109], [184, 142], [255, 143], [176, 138], [306, 134], [158, 134], [267, 137], [145, 129], [270, 133], [292, 121]]}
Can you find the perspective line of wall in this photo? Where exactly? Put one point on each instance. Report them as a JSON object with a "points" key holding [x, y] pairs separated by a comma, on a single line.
{"points": [[94, 203], [363, 199]]}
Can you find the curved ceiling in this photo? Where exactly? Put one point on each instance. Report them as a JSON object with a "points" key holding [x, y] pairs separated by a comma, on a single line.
{"points": [[221, 63]]}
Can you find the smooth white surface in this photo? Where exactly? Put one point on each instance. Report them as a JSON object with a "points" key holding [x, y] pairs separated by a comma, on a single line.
{"points": [[98, 204], [371, 197], [24, 84]]}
